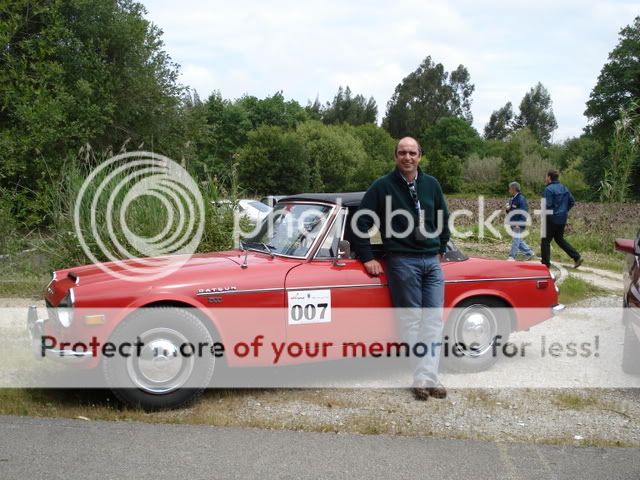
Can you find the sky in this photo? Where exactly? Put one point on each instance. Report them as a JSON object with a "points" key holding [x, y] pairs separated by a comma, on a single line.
{"points": [[308, 49]]}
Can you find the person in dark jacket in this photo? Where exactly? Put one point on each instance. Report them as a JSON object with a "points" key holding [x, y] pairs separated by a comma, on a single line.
{"points": [[413, 219], [517, 211], [558, 201]]}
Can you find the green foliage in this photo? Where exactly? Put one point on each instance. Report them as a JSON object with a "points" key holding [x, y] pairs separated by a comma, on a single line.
{"points": [[447, 169], [445, 145], [452, 136], [346, 108], [335, 156], [479, 169], [427, 95], [379, 148], [274, 111], [77, 71], [573, 178], [8, 239], [146, 217], [511, 166], [624, 156], [537, 115], [617, 84], [500, 123], [274, 161]]}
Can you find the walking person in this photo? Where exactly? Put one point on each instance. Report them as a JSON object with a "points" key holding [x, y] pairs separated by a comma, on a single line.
{"points": [[413, 220], [558, 201], [517, 212]]}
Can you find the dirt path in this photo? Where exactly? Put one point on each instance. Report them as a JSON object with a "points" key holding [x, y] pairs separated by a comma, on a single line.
{"points": [[606, 279]]}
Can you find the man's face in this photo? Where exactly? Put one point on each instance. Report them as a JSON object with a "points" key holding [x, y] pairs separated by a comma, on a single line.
{"points": [[547, 179], [408, 157], [512, 191]]}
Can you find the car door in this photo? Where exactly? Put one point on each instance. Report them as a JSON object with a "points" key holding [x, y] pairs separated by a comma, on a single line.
{"points": [[336, 302]]}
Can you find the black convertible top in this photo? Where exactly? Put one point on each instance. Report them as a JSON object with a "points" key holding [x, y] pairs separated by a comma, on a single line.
{"points": [[348, 199]]}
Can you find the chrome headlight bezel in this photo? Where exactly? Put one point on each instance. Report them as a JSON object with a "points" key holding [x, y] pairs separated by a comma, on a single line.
{"points": [[65, 309]]}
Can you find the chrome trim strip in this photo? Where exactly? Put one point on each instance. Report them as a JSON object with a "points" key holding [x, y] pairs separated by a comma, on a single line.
{"points": [[72, 296], [233, 292], [359, 285], [505, 279]]}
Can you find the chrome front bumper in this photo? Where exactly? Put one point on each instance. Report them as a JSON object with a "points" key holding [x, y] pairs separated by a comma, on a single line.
{"points": [[557, 308], [35, 328]]}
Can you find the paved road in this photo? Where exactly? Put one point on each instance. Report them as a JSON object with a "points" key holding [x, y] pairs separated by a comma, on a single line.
{"points": [[75, 449]]}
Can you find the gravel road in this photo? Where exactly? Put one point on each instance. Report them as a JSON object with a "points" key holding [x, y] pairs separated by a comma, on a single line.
{"points": [[514, 401]]}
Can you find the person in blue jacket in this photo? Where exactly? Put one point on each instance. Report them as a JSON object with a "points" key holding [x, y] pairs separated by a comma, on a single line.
{"points": [[558, 202], [517, 212]]}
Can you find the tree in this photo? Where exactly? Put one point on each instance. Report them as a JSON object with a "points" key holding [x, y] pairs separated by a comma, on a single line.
{"points": [[379, 149], [618, 84], [346, 108], [273, 161], [335, 156], [427, 95], [76, 72], [511, 166], [452, 136], [500, 123], [273, 110], [537, 115], [446, 145]]}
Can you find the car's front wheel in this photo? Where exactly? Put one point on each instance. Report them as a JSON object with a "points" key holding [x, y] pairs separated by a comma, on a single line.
{"points": [[475, 331], [166, 362]]}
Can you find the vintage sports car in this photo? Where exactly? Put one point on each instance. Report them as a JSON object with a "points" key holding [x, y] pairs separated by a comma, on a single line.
{"points": [[631, 304], [292, 284]]}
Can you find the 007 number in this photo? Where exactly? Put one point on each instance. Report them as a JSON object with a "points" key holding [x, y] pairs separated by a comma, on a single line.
{"points": [[308, 312]]}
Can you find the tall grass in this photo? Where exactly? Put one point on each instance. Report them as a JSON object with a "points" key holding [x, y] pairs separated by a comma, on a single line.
{"points": [[146, 217]]}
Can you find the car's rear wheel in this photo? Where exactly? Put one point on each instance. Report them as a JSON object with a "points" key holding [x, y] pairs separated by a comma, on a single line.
{"points": [[630, 351], [168, 364], [475, 332]]}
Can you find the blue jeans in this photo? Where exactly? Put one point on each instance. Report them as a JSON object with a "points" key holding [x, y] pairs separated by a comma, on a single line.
{"points": [[416, 283], [517, 243]]}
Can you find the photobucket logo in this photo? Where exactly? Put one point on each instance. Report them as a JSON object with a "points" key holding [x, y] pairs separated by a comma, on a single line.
{"points": [[148, 189]]}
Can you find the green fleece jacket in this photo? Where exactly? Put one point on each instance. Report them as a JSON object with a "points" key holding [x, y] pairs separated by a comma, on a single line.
{"points": [[397, 235]]}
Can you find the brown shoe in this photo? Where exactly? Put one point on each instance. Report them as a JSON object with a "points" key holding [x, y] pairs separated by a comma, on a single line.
{"points": [[438, 391], [421, 393]]}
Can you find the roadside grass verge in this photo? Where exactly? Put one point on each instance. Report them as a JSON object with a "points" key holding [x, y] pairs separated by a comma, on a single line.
{"points": [[574, 289], [479, 414]]}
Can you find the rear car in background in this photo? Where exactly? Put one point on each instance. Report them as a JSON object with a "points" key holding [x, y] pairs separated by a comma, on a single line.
{"points": [[631, 304]]}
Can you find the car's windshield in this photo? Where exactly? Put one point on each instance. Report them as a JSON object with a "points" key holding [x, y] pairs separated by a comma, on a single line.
{"points": [[260, 206], [290, 229]]}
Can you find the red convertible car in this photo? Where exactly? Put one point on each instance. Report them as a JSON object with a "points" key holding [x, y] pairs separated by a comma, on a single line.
{"points": [[302, 286]]}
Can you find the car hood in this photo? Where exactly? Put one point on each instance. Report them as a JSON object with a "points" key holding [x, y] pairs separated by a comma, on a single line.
{"points": [[134, 268]]}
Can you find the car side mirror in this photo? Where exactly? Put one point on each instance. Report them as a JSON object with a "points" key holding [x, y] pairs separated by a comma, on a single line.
{"points": [[344, 251]]}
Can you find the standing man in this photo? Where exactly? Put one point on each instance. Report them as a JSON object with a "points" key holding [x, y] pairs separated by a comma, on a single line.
{"points": [[558, 201], [518, 208], [413, 217]]}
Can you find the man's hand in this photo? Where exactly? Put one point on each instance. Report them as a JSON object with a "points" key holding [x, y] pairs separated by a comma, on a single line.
{"points": [[373, 267]]}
